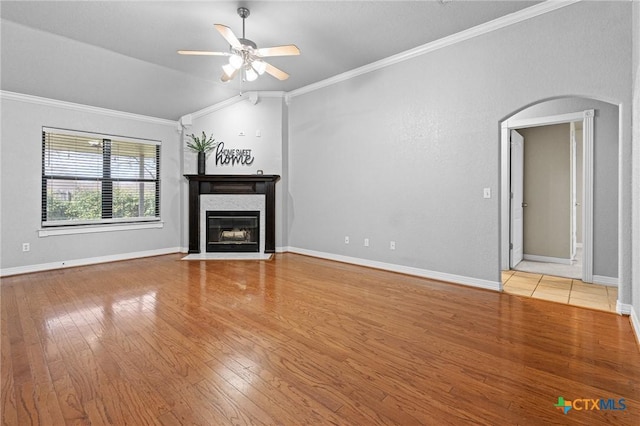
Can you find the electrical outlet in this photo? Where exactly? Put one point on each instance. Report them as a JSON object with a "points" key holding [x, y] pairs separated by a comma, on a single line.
{"points": [[366, 242], [392, 245], [26, 246], [346, 240]]}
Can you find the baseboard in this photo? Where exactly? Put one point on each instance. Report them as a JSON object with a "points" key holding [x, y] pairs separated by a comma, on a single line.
{"points": [[87, 261], [608, 281], [423, 273], [548, 259], [623, 308], [635, 324]]}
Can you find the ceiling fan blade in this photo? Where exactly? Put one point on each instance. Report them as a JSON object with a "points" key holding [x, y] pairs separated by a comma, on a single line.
{"points": [[229, 36], [288, 50], [202, 53], [276, 72], [228, 77]]}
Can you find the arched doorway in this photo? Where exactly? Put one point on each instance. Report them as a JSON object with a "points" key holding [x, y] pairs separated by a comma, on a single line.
{"points": [[599, 204]]}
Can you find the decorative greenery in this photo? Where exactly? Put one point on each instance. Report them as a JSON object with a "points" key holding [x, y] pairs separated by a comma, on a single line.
{"points": [[201, 143]]}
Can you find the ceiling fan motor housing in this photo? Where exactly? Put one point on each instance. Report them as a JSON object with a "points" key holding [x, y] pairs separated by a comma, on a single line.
{"points": [[248, 43], [243, 12]]}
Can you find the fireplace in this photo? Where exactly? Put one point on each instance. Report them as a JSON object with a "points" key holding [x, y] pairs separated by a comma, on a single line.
{"points": [[233, 231], [237, 193]]}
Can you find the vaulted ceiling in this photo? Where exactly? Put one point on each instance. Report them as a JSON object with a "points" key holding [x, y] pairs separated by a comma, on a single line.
{"points": [[122, 54]]}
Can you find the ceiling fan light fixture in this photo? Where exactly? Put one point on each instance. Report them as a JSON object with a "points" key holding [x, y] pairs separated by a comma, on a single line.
{"points": [[259, 66], [228, 69], [236, 61], [250, 74]]}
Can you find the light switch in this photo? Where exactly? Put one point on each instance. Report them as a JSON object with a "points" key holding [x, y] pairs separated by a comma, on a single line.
{"points": [[487, 193]]}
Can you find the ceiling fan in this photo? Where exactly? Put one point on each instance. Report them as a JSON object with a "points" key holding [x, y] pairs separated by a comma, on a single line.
{"points": [[244, 56]]}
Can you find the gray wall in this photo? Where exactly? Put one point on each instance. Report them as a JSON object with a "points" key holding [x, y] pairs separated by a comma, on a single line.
{"points": [[606, 174], [636, 162], [20, 188], [403, 153], [547, 191], [283, 190]]}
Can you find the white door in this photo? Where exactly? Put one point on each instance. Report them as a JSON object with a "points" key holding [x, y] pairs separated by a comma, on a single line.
{"points": [[517, 202]]}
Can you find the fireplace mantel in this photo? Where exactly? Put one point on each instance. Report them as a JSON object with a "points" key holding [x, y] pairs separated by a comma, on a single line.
{"points": [[235, 185]]}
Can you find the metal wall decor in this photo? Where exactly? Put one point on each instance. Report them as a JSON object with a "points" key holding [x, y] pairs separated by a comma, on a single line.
{"points": [[231, 156]]}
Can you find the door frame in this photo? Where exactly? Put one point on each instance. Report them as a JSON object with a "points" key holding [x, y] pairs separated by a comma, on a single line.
{"points": [[574, 196], [516, 230], [586, 117]]}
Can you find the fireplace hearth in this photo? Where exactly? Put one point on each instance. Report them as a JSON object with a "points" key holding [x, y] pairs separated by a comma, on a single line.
{"points": [[233, 231]]}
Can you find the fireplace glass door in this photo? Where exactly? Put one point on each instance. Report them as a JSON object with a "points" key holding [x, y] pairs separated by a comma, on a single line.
{"points": [[233, 231]]}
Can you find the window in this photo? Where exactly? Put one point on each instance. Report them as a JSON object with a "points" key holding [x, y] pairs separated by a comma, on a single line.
{"points": [[95, 179]]}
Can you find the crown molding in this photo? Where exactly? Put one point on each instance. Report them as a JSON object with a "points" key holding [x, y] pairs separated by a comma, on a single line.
{"points": [[496, 24], [271, 94], [218, 106], [241, 97], [21, 97]]}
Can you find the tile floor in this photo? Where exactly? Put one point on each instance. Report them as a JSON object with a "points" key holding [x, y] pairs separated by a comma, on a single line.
{"points": [[558, 289]]}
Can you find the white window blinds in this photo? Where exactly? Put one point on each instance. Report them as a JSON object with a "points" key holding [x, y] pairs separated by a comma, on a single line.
{"points": [[91, 178]]}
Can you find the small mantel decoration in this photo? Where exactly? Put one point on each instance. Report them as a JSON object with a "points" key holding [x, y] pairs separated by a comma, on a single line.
{"points": [[203, 146]]}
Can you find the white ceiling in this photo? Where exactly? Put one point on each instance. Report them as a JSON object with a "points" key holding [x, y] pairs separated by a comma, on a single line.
{"points": [[333, 36]]}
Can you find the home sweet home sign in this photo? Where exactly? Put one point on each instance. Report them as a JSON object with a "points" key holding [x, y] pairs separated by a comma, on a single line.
{"points": [[232, 156]]}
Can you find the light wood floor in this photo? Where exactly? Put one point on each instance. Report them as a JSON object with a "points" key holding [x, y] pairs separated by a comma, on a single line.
{"points": [[561, 290], [299, 340]]}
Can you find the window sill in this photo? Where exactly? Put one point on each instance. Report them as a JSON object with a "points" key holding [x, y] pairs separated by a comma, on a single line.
{"points": [[89, 229]]}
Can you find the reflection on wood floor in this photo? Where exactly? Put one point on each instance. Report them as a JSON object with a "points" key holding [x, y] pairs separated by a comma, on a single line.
{"points": [[298, 340]]}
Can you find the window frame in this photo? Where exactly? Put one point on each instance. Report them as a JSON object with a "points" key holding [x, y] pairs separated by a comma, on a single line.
{"points": [[106, 183]]}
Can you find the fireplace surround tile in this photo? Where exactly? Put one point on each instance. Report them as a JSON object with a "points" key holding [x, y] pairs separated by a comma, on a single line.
{"points": [[231, 202]]}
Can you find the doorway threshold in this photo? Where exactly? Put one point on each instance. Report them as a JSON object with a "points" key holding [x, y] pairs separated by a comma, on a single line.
{"points": [[560, 290]]}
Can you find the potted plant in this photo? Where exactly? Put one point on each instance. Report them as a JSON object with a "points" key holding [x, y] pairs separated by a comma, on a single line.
{"points": [[203, 146]]}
